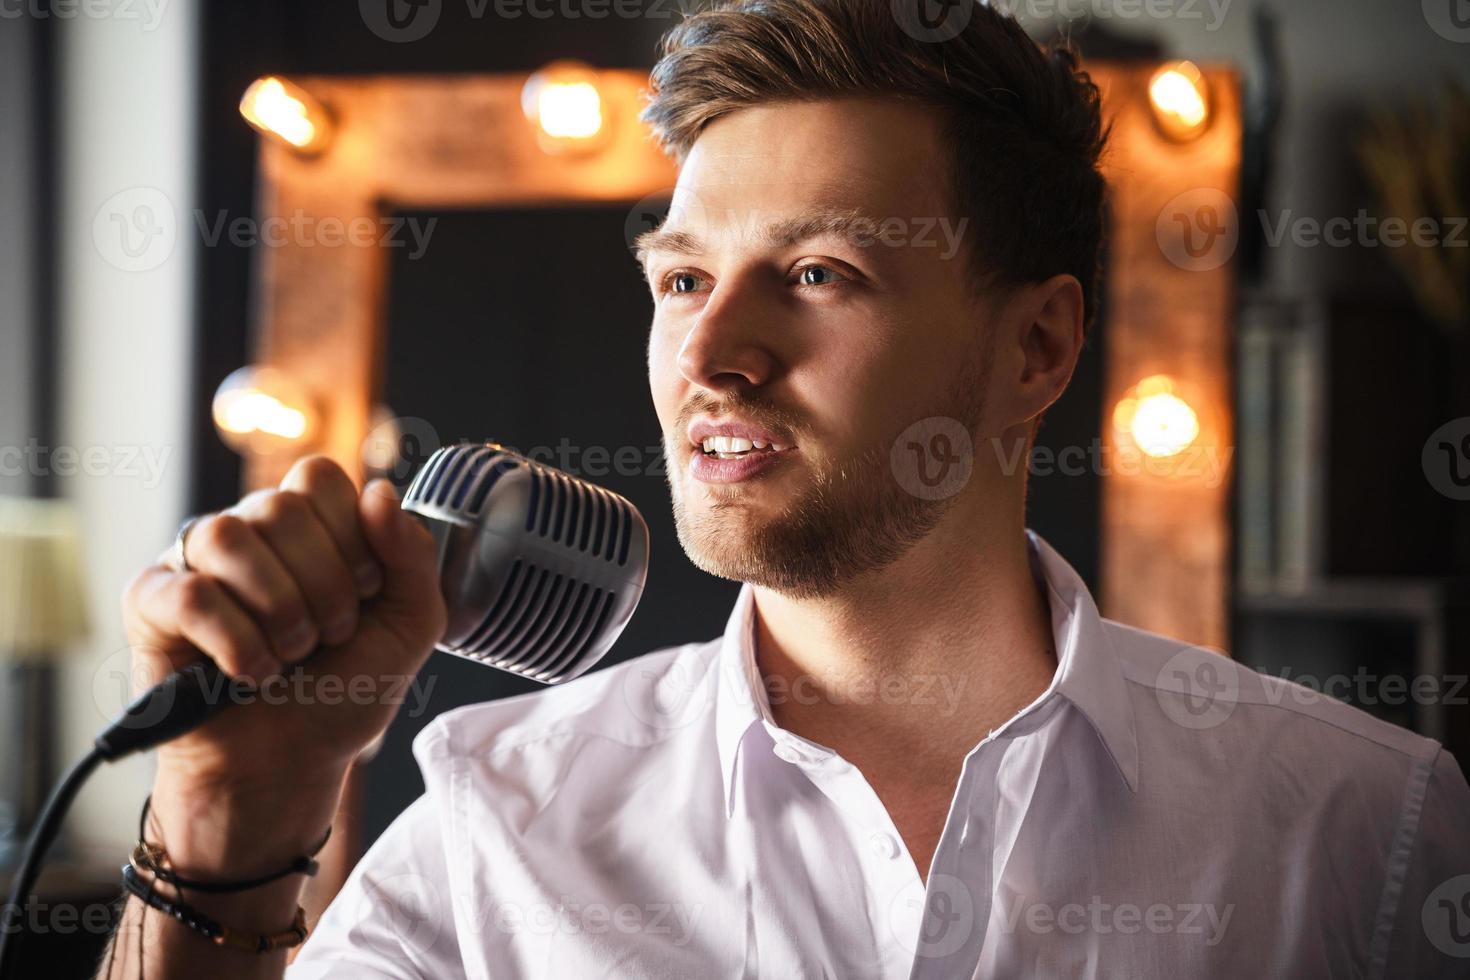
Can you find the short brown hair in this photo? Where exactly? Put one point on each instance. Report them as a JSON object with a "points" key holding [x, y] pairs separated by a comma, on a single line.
{"points": [[1024, 122]]}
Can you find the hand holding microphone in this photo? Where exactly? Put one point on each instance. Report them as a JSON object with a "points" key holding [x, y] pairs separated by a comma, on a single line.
{"points": [[490, 556], [532, 571]]}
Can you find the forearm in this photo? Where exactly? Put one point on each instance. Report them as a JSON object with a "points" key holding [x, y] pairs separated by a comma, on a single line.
{"points": [[221, 837]]}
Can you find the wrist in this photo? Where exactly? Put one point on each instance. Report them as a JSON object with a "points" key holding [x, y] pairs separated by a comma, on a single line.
{"points": [[218, 830]]}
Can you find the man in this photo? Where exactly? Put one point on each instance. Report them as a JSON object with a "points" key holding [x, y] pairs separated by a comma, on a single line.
{"points": [[917, 750]]}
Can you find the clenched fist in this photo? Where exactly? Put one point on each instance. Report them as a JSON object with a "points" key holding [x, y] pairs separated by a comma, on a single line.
{"points": [[307, 591]]}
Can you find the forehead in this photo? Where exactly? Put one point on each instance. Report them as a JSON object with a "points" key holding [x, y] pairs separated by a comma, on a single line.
{"points": [[882, 158]]}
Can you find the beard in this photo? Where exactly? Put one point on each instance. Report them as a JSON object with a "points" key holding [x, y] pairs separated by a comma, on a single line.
{"points": [[852, 517]]}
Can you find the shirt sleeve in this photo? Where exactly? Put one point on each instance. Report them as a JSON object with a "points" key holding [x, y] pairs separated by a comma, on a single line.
{"points": [[1431, 935], [393, 919]]}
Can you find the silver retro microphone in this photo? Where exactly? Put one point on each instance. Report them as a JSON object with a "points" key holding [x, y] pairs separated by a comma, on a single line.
{"points": [[540, 570]]}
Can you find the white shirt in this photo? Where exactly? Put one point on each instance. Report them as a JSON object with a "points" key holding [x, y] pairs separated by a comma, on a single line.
{"points": [[1159, 812]]}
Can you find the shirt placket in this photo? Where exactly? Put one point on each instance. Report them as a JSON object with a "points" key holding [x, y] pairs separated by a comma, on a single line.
{"points": [[895, 891]]}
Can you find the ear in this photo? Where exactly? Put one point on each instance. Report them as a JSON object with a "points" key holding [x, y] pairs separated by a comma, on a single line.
{"points": [[1049, 320]]}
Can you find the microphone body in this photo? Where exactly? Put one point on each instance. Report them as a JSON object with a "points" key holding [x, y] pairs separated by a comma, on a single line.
{"points": [[540, 572]]}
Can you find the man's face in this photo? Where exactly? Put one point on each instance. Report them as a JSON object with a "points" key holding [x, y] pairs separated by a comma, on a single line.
{"points": [[811, 302]]}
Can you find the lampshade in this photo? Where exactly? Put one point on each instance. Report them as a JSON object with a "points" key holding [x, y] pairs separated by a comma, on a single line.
{"points": [[42, 591]]}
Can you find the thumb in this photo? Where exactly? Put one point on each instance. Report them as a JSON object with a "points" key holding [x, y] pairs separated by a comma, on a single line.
{"points": [[409, 603]]}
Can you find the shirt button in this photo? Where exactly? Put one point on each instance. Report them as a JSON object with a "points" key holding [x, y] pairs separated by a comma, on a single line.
{"points": [[883, 845], [787, 754]]}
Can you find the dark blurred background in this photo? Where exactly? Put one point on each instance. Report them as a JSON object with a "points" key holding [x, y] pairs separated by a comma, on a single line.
{"points": [[1351, 540]]}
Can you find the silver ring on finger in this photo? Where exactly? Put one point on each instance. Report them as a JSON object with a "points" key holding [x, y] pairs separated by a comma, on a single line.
{"points": [[176, 554]]}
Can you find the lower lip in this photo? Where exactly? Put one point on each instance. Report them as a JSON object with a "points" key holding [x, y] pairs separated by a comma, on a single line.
{"points": [[712, 469]]}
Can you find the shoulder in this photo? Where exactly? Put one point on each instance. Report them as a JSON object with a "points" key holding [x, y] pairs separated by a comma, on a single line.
{"points": [[1205, 710]]}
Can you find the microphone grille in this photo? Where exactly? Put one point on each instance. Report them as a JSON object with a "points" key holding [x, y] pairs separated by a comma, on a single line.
{"points": [[540, 569]]}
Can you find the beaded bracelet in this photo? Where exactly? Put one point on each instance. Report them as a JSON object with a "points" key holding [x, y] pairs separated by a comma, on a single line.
{"points": [[220, 935], [153, 859]]}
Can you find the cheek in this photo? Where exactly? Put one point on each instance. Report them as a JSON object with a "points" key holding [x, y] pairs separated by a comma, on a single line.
{"points": [[664, 380]]}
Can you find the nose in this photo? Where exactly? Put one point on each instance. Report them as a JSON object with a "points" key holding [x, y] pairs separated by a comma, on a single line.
{"points": [[724, 349]]}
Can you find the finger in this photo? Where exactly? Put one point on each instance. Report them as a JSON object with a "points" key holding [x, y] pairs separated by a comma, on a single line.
{"points": [[226, 547], [290, 527], [198, 609], [410, 603], [334, 497]]}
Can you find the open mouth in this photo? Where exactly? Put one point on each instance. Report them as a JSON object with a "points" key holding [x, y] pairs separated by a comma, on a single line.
{"points": [[736, 447]]}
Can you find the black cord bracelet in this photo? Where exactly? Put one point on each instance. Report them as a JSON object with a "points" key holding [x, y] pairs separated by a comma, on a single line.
{"points": [[150, 857], [220, 935]]}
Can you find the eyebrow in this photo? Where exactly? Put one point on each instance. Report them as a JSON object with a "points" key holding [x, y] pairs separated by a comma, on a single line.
{"points": [[812, 223]]}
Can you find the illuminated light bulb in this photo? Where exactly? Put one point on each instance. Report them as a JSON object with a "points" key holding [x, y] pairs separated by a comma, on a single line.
{"points": [[565, 103], [287, 112], [1159, 422], [1180, 100], [262, 411]]}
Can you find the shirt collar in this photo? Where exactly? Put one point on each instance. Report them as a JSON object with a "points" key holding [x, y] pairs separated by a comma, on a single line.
{"points": [[1089, 674]]}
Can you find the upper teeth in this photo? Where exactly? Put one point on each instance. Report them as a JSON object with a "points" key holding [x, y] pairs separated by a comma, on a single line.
{"points": [[735, 444]]}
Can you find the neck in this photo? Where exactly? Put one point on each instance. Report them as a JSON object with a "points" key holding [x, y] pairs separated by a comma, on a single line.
{"points": [[906, 669]]}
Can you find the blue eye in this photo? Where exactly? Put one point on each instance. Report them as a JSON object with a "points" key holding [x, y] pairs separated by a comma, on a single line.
{"points": [[818, 275], [679, 281]]}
